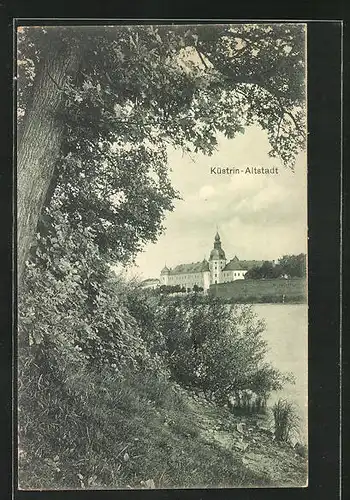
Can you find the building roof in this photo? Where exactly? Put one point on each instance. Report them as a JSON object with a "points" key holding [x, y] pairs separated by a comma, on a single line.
{"points": [[248, 264], [217, 253], [194, 267], [233, 265]]}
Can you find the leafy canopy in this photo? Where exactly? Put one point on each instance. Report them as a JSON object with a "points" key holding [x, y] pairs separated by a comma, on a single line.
{"points": [[141, 89]]}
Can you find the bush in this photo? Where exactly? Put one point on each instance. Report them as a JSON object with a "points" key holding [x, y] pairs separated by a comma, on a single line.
{"points": [[216, 348]]}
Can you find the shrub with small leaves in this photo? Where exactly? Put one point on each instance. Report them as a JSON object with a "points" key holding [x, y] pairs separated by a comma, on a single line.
{"points": [[217, 348]]}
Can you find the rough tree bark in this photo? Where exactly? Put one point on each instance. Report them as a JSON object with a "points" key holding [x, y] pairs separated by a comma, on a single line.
{"points": [[40, 142]]}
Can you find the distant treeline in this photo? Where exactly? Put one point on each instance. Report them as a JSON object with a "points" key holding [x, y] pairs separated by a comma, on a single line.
{"points": [[292, 266]]}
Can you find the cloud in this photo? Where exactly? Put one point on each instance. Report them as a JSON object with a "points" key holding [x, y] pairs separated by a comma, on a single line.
{"points": [[272, 205], [206, 192], [259, 216]]}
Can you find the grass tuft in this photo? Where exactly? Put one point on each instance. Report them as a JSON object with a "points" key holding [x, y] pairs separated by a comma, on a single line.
{"points": [[286, 420]]}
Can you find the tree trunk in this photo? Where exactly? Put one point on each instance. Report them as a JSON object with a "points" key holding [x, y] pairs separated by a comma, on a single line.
{"points": [[40, 143]]}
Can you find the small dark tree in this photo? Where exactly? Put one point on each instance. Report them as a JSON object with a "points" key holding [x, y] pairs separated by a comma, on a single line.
{"points": [[254, 273], [268, 270]]}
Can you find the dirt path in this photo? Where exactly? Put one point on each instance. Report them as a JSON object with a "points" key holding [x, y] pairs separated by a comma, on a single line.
{"points": [[250, 439]]}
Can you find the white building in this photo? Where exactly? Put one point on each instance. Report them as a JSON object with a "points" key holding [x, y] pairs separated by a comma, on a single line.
{"points": [[205, 273], [150, 283]]}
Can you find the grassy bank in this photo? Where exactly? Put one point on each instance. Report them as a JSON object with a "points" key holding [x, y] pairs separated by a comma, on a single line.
{"points": [[106, 430], [250, 291]]}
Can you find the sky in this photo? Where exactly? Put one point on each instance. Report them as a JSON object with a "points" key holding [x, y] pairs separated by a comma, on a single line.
{"points": [[258, 217]]}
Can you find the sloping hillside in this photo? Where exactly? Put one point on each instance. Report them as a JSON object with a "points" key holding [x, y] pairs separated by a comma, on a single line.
{"points": [[135, 431]]}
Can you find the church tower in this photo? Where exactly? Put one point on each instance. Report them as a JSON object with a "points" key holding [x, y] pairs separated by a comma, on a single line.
{"points": [[217, 261], [164, 275]]}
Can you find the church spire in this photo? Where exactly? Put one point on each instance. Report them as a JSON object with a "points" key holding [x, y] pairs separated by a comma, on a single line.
{"points": [[217, 252], [217, 241]]}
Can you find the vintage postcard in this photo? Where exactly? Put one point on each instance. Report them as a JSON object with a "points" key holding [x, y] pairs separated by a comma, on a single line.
{"points": [[162, 256]]}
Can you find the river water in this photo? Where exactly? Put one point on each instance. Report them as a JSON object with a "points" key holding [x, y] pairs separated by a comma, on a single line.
{"points": [[286, 334]]}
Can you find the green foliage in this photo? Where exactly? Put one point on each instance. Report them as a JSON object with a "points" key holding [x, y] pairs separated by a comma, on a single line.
{"points": [[143, 307], [266, 271], [293, 266], [216, 348], [169, 76], [69, 301]]}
